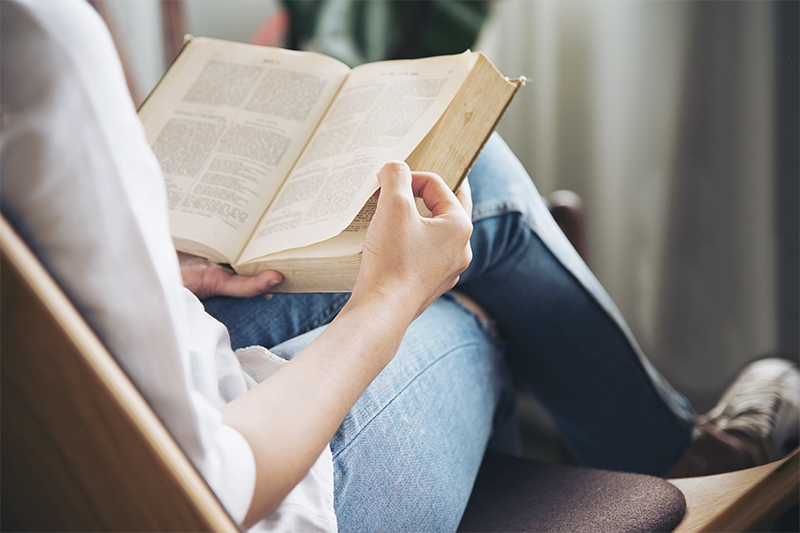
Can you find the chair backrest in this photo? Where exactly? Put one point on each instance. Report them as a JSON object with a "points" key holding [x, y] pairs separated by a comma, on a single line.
{"points": [[81, 448]]}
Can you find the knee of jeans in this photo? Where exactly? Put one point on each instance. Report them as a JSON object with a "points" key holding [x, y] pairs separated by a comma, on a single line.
{"points": [[484, 318], [407, 502], [495, 239]]}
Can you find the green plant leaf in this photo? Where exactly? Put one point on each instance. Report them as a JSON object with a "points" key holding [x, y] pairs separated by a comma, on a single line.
{"points": [[335, 31], [357, 31], [377, 29]]}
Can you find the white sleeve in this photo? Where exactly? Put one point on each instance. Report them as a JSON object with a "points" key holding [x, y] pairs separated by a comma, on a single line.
{"points": [[83, 188]]}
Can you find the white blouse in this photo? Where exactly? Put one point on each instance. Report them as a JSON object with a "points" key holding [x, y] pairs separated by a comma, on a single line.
{"points": [[83, 188]]}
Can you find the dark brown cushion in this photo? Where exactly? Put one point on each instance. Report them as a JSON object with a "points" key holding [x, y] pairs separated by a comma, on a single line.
{"points": [[513, 494]]}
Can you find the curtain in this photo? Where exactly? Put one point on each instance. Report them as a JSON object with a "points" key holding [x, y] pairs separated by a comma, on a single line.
{"points": [[660, 115]]}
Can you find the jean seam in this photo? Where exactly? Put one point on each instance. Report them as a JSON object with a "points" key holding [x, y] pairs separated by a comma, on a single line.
{"points": [[494, 209], [400, 392]]}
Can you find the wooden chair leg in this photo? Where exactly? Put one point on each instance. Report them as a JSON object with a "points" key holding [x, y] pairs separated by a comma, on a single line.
{"points": [[568, 211], [173, 15], [103, 10]]}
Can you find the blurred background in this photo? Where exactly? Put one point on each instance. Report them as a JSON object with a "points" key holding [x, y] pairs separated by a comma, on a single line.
{"points": [[676, 122]]}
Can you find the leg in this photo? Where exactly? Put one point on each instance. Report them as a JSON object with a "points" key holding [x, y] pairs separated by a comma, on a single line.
{"points": [[406, 456], [566, 340], [274, 318]]}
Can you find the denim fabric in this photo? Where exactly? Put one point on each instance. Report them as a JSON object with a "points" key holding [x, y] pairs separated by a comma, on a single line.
{"points": [[567, 342], [407, 454]]}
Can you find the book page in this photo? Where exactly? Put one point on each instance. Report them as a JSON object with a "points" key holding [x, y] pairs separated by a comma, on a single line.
{"points": [[227, 124], [381, 113], [348, 242]]}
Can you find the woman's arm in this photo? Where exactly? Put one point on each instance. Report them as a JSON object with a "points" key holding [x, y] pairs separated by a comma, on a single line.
{"points": [[408, 261]]}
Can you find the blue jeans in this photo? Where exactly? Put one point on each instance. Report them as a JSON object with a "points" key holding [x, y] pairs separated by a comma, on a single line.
{"points": [[406, 456]]}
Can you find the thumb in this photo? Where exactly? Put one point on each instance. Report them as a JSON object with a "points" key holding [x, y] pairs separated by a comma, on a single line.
{"points": [[395, 181]]}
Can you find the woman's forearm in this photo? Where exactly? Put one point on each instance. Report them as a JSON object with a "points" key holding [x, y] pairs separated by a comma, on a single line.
{"points": [[290, 417]]}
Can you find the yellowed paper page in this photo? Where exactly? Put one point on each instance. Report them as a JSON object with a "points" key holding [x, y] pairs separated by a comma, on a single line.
{"points": [[228, 128], [381, 113]]}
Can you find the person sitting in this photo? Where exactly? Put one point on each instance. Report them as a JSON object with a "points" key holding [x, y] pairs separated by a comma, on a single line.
{"points": [[368, 411]]}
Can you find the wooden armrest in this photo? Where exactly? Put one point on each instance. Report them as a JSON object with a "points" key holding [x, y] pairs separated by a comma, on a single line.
{"points": [[745, 500]]}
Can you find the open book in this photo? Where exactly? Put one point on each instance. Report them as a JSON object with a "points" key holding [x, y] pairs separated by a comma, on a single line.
{"points": [[271, 156]]}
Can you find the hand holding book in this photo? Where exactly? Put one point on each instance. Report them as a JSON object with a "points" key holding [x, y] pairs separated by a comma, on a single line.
{"points": [[206, 279], [415, 259], [270, 156]]}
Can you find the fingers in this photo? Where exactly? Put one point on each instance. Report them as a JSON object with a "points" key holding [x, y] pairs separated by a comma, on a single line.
{"points": [[464, 196], [438, 197], [247, 287], [401, 184], [206, 279], [395, 180]]}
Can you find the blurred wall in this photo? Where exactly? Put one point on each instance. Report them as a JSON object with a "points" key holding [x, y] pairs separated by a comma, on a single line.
{"points": [[139, 24], [787, 173], [661, 116]]}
